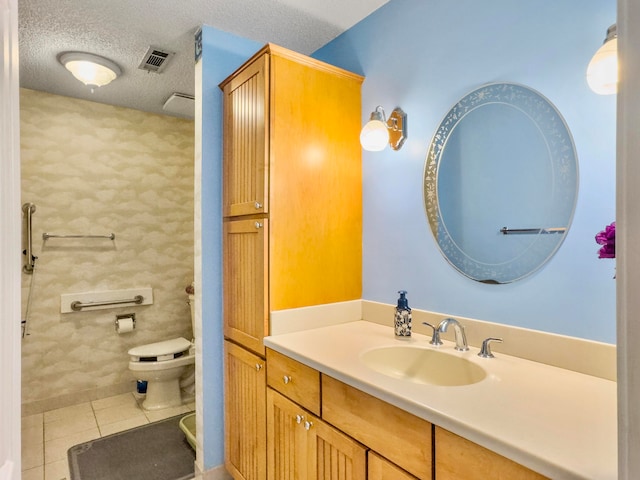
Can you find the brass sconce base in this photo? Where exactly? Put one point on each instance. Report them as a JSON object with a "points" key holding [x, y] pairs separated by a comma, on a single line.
{"points": [[397, 128]]}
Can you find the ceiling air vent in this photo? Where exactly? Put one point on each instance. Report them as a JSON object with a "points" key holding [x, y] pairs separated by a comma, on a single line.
{"points": [[155, 60]]}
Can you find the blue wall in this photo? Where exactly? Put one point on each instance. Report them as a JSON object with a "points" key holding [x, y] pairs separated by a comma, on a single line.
{"points": [[222, 53], [424, 55]]}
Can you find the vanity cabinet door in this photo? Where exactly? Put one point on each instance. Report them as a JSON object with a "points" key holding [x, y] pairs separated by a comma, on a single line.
{"points": [[245, 414], [333, 455], [245, 159], [458, 458], [245, 267], [300, 446]]}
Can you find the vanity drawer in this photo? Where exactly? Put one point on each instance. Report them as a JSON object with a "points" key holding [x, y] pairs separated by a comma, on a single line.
{"points": [[294, 380], [458, 458], [399, 436]]}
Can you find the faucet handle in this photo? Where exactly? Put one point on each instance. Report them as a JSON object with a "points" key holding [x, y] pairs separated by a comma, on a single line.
{"points": [[435, 338], [485, 351]]}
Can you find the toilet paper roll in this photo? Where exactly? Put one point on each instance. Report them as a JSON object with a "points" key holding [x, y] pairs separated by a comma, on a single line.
{"points": [[124, 325]]}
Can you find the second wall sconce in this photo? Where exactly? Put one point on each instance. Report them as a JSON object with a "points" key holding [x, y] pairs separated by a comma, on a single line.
{"points": [[602, 72], [380, 132]]}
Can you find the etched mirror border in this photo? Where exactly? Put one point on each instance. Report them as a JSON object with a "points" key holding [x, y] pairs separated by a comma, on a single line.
{"points": [[563, 156]]}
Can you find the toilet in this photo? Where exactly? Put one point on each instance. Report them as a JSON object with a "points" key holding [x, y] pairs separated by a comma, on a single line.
{"points": [[162, 365]]}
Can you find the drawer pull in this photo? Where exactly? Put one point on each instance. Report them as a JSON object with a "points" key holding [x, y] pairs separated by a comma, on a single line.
{"points": [[308, 425], [258, 224], [299, 419], [258, 367], [258, 205], [286, 379]]}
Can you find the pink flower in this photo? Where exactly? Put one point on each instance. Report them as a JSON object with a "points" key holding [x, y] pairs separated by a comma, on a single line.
{"points": [[607, 238]]}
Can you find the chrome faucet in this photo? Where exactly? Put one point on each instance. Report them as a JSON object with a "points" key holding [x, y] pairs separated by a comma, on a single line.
{"points": [[461, 338]]}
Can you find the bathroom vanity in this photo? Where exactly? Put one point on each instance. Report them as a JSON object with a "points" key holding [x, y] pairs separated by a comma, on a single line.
{"points": [[522, 420]]}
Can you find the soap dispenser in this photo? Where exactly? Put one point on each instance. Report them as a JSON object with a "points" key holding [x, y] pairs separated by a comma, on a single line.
{"points": [[403, 316]]}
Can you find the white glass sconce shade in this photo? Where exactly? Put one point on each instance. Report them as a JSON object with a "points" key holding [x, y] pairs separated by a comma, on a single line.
{"points": [[374, 135], [602, 72], [90, 69], [380, 132]]}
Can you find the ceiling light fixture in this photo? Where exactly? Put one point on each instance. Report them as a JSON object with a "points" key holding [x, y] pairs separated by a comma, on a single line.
{"points": [[92, 70], [602, 72], [380, 132]]}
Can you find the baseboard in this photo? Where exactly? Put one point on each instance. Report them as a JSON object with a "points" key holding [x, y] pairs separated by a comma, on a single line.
{"points": [[216, 473], [74, 398]]}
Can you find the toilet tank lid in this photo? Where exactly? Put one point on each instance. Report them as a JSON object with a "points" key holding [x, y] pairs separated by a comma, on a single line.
{"points": [[167, 347]]}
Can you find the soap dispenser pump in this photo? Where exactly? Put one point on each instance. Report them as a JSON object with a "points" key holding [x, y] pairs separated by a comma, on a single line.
{"points": [[403, 316]]}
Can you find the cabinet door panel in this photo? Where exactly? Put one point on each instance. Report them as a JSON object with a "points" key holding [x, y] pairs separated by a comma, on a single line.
{"points": [[245, 414], [300, 446], [286, 439], [245, 177], [245, 266], [335, 456]]}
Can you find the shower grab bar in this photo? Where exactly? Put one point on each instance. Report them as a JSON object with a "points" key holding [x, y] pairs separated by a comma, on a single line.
{"points": [[77, 306], [30, 260], [47, 236], [511, 231]]}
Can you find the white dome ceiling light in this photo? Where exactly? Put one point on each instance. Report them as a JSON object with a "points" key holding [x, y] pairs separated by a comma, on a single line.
{"points": [[92, 70]]}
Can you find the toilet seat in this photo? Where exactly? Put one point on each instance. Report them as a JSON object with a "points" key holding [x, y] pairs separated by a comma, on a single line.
{"points": [[160, 351]]}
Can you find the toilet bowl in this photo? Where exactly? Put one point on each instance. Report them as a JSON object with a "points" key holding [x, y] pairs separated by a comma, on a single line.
{"points": [[162, 364]]}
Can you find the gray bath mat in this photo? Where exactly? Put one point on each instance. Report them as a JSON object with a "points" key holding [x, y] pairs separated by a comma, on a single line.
{"points": [[157, 451]]}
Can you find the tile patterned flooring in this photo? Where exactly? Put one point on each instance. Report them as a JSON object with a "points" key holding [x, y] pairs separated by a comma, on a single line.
{"points": [[47, 436]]}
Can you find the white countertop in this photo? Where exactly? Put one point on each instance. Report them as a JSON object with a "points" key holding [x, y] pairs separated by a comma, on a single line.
{"points": [[559, 423]]}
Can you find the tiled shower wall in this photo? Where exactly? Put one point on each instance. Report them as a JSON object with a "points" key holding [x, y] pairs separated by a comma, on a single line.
{"points": [[95, 169]]}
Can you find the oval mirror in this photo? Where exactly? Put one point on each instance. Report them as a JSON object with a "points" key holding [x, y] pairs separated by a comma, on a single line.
{"points": [[500, 183]]}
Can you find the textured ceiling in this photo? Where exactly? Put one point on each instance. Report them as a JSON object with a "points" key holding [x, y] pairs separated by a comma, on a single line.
{"points": [[122, 30]]}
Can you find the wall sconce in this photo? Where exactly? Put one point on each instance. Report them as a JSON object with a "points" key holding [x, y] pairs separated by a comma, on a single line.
{"points": [[90, 69], [602, 72], [380, 132]]}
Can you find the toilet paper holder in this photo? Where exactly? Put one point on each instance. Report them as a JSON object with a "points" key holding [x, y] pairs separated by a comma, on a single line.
{"points": [[125, 316]]}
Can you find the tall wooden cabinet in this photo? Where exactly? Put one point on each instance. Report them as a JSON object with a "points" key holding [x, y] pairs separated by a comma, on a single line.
{"points": [[292, 201]]}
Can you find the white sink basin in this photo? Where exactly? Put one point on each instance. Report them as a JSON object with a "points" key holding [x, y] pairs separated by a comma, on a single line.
{"points": [[423, 365]]}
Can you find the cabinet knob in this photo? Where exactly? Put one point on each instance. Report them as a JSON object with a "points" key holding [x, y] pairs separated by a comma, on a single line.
{"points": [[258, 367], [286, 379], [258, 205], [299, 419], [258, 224], [308, 425]]}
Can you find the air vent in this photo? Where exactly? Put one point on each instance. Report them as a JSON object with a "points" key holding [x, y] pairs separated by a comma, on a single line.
{"points": [[180, 104], [155, 60]]}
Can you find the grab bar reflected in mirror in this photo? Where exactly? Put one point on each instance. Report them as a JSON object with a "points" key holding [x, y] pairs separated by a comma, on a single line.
{"points": [[512, 231]]}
